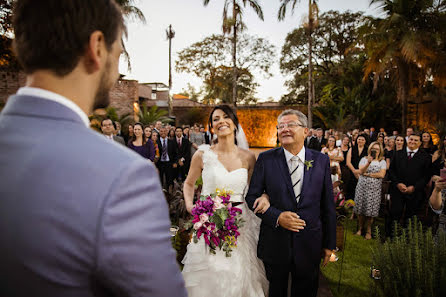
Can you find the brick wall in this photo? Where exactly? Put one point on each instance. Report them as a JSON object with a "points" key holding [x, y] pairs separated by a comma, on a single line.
{"points": [[122, 96], [10, 82]]}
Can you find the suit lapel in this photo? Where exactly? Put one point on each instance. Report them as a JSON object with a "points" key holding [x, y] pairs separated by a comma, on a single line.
{"points": [[281, 162], [307, 175]]}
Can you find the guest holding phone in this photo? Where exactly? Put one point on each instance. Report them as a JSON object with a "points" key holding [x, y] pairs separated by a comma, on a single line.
{"points": [[372, 170]]}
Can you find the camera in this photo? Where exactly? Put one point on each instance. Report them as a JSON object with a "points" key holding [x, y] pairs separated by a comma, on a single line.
{"points": [[373, 154]]}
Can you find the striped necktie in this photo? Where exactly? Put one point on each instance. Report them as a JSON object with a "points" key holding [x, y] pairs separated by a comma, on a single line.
{"points": [[296, 177]]}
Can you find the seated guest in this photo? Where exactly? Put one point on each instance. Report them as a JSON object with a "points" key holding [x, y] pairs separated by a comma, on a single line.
{"points": [[372, 170], [139, 145], [108, 129]]}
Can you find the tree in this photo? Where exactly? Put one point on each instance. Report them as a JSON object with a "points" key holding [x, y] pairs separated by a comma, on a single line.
{"points": [[235, 24], [152, 115], [400, 46], [209, 59], [7, 57], [313, 12]]}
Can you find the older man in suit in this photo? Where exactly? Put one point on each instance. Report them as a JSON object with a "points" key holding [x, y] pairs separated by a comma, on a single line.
{"points": [[168, 161], [78, 216], [108, 128], [300, 224]]}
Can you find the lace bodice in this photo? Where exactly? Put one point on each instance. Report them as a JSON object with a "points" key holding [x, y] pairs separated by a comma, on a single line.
{"points": [[215, 175]]}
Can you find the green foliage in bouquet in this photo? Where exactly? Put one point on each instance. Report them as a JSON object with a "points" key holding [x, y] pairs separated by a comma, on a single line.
{"points": [[413, 263]]}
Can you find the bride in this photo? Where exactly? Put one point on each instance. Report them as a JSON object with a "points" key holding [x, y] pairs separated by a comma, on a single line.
{"points": [[225, 166]]}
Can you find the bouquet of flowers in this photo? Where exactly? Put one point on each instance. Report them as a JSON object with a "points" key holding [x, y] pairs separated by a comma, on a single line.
{"points": [[343, 206], [217, 220]]}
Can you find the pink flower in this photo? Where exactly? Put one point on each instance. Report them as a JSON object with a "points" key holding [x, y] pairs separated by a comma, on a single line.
{"points": [[204, 218], [197, 225], [218, 203]]}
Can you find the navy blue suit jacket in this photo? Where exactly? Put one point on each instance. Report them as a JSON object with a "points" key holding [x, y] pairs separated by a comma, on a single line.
{"points": [[316, 206]]}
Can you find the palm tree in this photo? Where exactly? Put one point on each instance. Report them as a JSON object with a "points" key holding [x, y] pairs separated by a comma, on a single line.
{"points": [[313, 12], [235, 24], [131, 13], [399, 46]]}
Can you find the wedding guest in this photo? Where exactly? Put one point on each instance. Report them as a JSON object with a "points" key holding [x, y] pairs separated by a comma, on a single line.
{"points": [[386, 139], [400, 143], [355, 134], [345, 171], [168, 160], [372, 170], [171, 133], [373, 134], [316, 143], [186, 129], [108, 129], [139, 143], [395, 133], [128, 135], [79, 216], [334, 153], [147, 133], [154, 137], [354, 155], [183, 147], [437, 201], [380, 139], [409, 131], [118, 129], [409, 172], [158, 125], [389, 150], [427, 144], [196, 138], [439, 157]]}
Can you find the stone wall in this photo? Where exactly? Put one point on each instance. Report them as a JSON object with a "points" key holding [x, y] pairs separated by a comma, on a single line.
{"points": [[10, 82], [123, 95]]}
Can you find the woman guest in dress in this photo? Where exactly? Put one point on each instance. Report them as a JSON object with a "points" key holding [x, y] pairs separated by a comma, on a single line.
{"points": [[196, 138], [427, 144], [139, 145], [154, 139], [400, 143], [345, 171], [389, 150], [171, 134], [334, 153], [147, 133], [372, 170], [354, 155]]}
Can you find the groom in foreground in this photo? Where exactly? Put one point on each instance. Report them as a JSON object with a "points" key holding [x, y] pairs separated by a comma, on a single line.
{"points": [[79, 216], [300, 225]]}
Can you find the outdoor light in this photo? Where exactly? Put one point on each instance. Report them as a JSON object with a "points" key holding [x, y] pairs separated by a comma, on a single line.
{"points": [[375, 273]]}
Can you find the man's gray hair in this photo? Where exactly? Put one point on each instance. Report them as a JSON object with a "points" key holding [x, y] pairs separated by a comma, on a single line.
{"points": [[302, 118]]}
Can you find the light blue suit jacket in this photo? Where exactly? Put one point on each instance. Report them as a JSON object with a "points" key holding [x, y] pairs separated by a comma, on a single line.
{"points": [[79, 215]]}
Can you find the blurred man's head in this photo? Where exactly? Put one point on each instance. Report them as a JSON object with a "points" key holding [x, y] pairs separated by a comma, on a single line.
{"points": [[158, 125], [63, 45], [108, 127], [409, 131]]}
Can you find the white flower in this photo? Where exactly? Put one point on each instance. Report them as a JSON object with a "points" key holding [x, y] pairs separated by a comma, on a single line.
{"points": [[197, 225], [204, 218], [218, 203]]}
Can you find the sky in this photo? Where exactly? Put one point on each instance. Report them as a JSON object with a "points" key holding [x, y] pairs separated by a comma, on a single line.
{"points": [[148, 46]]}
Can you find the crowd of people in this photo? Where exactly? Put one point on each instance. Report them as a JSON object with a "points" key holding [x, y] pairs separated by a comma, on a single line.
{"points": [[374, 165], [367, 166], [170, 148]]}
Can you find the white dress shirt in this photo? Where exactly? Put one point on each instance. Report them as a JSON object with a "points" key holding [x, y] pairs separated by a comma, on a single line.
{"points": [[45, 94], [408, 151], [300, 170]]}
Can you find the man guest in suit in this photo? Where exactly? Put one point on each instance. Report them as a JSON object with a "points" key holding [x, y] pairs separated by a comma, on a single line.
{"points": [[183, 154], [108, 128], [316, 143], [78, 216], [168, 160], [300, 225], [410, 171]]}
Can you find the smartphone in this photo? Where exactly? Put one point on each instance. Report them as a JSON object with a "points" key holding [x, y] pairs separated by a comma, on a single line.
{"points": [[373, 154], [443, 174]]}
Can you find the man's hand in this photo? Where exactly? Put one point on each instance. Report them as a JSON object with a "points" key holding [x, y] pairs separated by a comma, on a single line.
{"points": [[401, 187], [326, 254], [291, 221], [410, 190], [261, 204]]}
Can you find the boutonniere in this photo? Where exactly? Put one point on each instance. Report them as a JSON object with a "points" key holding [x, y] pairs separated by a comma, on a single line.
{"points": [[308, 164]]}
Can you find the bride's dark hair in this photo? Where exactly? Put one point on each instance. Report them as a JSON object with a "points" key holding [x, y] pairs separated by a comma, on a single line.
{"points": [[231, 114]]}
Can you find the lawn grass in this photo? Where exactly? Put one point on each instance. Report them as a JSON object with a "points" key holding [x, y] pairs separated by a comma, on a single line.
{"points": [[355, 280]]}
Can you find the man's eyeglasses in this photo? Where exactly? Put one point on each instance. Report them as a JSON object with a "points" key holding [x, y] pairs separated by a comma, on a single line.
{"points": [[292, 125]]}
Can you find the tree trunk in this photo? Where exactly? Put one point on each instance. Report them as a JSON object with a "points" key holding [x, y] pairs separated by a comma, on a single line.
{"points": [[234, 55], [403, 91], [310, 67]]}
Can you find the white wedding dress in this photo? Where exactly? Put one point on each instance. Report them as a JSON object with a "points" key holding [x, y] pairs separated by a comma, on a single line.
{"points": [[242, 274]]}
